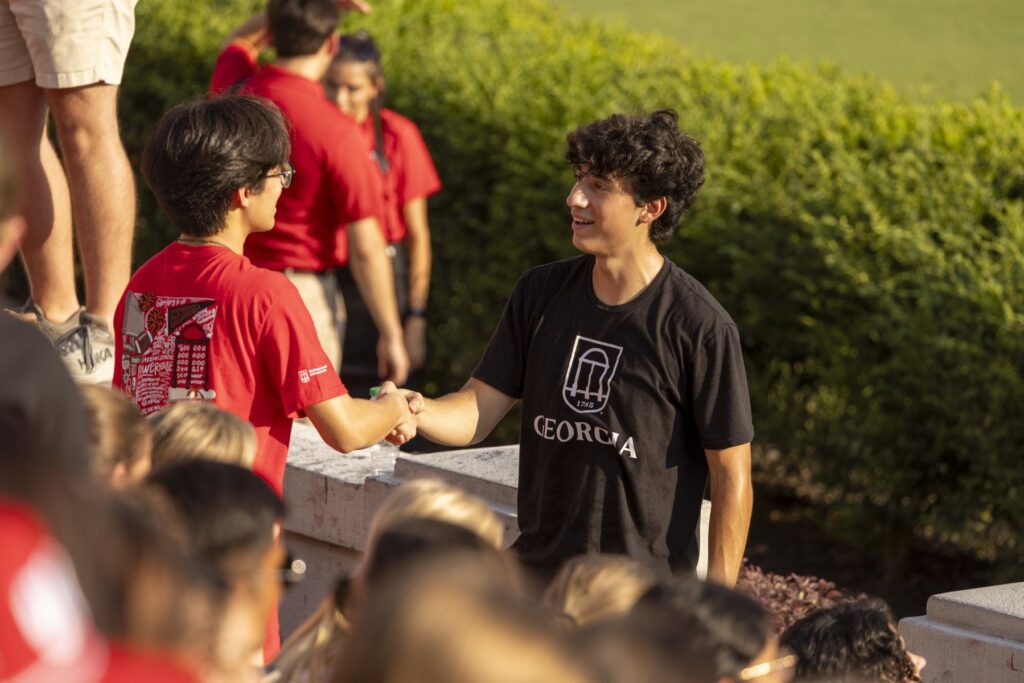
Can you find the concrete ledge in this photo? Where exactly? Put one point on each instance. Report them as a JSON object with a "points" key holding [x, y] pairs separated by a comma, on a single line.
{"points": [[971, 635]]}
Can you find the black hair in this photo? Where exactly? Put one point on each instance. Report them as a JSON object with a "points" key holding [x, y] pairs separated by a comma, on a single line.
{"points": [[856, 640], [201, 152], [299, 27], [649, 155], [228, 511], [708, 617], [360, 48]]}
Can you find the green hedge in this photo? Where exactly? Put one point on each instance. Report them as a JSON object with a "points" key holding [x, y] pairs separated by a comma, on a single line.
{"points": [[869, 247]]}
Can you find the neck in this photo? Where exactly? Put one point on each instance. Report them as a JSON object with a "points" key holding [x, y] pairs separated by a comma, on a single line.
{"points": [[229, 238], [620, 278], [362, 116], [312, 67]]}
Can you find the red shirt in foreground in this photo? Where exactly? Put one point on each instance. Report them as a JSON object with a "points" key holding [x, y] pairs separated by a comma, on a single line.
{"points": [[411, 173], [201, 322], [334, 183]]}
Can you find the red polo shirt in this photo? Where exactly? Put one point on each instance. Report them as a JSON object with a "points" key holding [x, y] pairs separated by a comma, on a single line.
{"points": [[335, 183], [411, 173]]}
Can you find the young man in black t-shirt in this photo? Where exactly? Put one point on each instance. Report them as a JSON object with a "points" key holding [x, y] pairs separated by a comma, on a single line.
{"points": [[630, 373]]}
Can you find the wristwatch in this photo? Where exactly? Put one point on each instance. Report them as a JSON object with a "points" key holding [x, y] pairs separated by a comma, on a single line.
{"points": [[417, 313]]}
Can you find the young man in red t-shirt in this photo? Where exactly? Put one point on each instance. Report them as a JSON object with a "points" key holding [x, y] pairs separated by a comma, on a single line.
{"points": [[200, 322], [335, 183]]}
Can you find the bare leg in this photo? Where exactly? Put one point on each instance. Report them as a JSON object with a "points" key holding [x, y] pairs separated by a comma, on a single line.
{"points": [[46, 249], [102, 190]]}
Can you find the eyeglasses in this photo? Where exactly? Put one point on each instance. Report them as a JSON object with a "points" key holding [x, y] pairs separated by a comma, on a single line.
{"points": [[783, 663], [286, 174]]}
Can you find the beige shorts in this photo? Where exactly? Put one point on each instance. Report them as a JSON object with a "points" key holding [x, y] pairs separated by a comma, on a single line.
{"points": [[64, 43], [319, 292]]}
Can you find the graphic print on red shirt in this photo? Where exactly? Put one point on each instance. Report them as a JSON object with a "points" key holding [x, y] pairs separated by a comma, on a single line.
{"points": [[167, 349]]}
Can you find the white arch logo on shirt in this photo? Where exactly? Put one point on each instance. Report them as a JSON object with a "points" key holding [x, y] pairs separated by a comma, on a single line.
{"points": [[588, 380]]}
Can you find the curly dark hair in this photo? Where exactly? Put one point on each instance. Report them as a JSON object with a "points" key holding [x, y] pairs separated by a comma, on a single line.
{"points": [[856, 641], [649, 155]]}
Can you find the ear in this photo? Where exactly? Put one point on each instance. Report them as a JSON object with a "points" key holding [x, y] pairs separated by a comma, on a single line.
{"points": [[12, 231], [241, 197], [652, 210], [332, 43]]}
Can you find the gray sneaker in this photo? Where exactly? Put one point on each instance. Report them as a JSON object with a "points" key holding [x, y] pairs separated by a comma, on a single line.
{"points": [[83, 342]]}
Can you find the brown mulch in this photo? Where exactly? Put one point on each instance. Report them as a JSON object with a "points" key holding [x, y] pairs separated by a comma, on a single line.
{"points": [[788, 598]]}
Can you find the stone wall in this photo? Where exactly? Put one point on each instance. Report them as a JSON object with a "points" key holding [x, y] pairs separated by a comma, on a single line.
{"points": [[971, 636]]}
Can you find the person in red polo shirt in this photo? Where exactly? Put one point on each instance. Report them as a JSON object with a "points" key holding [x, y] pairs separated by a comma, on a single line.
{"points": [[355, 82], [200, 322], [335, 183]]}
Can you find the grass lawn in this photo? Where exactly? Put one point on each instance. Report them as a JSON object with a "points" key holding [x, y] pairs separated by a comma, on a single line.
{"points": [[947, 48]]}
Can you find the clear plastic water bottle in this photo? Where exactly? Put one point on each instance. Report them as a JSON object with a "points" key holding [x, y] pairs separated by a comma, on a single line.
{"points": [[383, 454]]}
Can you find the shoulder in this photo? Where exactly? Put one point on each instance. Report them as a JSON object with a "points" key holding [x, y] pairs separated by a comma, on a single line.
{"points": [[400, 125], [694, 306], [558, 271]]}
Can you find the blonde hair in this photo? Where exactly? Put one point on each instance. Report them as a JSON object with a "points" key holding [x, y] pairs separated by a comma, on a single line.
{"points": [[118, 433], [434, 499], [451, 621], [593, 588], [190, 430]]}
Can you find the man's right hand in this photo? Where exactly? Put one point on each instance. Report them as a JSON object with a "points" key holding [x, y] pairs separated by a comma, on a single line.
{"points": [[392, 360], [405, 430]]}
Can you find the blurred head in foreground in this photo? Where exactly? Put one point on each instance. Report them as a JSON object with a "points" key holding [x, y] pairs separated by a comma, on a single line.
{"points": [[855, 641], [452, 619], [434, 499], [119, 437], [187, 430], [592, 588], [230, 516], [734, 628]]}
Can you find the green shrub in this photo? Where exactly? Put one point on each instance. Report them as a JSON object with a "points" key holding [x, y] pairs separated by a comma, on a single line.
{"points": [[868, 247]]}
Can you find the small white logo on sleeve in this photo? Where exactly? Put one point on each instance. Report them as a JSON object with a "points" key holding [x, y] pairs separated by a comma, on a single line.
{"points": [[306, 375]]}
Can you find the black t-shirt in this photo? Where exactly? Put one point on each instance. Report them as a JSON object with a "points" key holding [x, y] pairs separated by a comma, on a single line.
{"points": [[619, 403]]}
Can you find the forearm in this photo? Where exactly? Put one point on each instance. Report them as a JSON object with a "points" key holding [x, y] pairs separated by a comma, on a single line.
{"points": [[451, 420], [371, 269], [732, 499], [464, 417], [347, 424], [417, 244], [253, 32]]}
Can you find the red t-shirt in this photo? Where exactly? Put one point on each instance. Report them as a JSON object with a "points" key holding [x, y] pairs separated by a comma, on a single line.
{"points": [[334, 182], [201, 322], [129, 664], [411, 173]]}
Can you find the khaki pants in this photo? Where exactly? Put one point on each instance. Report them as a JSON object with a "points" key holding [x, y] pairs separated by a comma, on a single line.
{"points": [[319, 291]]}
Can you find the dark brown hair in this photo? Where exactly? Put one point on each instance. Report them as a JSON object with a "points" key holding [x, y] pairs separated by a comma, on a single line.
{"points": [[201, 151], [299, 27]]}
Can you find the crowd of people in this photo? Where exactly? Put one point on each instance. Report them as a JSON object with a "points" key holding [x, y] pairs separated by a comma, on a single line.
{"points": [[144, 435]]}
